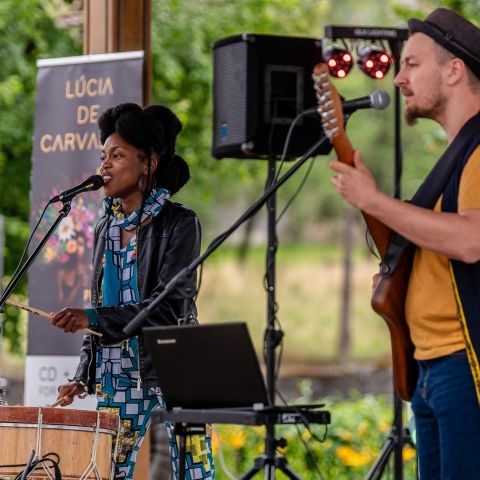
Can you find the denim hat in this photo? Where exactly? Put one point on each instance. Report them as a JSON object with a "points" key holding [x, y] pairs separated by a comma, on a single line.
{"points": [[454, 33]]}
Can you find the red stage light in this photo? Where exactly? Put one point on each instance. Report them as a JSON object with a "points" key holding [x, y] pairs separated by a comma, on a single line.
{"points": [[374, 61], [339, 61]]}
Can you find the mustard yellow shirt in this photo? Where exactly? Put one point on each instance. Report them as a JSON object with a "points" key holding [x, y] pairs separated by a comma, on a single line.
{"points": [[431, 307]]}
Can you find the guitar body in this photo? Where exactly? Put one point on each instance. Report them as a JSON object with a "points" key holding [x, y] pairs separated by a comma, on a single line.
{"points": [[388, 299]]}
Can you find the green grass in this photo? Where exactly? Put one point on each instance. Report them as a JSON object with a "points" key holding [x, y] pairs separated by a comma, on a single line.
{"points": [[309, 285]]}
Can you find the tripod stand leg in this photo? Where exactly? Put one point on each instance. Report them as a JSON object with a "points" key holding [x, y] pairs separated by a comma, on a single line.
{"points": [[282, 464], [399, 437], [269, 465], [379, 466], [258, 465]]}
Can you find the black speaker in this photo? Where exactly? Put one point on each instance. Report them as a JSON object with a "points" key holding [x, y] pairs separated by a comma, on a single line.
{"points": [[260, 84]]}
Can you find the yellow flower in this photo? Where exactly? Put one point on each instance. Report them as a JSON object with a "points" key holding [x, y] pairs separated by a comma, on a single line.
{"points": [[408, 453], [233, 436], [215, 441], [238, 438], [352, 458]]}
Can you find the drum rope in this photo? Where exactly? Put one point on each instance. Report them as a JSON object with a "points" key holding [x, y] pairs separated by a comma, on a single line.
{"points": [[38, 454], [92, 466]]}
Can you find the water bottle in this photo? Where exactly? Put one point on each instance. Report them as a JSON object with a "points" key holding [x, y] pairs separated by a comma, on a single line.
{"points": [[3, 391]]}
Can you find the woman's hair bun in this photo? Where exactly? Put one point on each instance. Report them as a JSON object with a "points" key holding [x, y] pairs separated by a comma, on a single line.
{"points": [[151, 129]]}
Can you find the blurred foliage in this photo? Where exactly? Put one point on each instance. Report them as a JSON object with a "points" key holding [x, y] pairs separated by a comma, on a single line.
{"points": [[183, 32], [30, 30], [347, 449]]}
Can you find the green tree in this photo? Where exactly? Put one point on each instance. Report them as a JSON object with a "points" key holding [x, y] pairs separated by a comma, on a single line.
{"points": [[29, 31], [182, 35]]}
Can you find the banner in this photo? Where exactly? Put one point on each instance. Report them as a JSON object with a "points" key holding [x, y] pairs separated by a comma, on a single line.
{"points": [[72, 93]]}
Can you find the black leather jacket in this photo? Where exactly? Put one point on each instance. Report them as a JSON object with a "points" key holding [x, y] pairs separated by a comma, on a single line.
{"points": [[164, 246]]}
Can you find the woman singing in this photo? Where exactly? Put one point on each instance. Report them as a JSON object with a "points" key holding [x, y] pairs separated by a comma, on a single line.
{"points": [[141, 242]]}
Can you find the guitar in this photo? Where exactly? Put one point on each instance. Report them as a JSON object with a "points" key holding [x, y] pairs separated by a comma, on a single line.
{"points": [[388, 298]]}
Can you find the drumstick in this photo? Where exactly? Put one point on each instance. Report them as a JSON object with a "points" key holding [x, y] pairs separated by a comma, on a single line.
{"points": [[42, 313], [58, 402]]}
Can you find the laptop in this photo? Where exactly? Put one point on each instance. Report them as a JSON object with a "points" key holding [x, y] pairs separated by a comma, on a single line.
{"points": [[206, 366]]}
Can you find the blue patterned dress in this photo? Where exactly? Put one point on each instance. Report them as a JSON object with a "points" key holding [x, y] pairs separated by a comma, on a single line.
{"points": [[118, 384]]}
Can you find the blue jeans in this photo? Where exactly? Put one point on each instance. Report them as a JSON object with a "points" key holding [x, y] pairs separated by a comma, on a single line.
{"points": [[447, 419]]}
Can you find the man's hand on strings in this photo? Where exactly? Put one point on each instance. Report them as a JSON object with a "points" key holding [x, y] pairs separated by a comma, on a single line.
{"points": [[355, 184]]}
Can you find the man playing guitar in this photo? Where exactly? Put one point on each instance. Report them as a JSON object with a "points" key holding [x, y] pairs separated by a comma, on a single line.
{"points": [[440, 80]]}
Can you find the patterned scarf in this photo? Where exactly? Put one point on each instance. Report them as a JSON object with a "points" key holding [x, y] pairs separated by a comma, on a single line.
{"points": [[120, 273], [152, 206]]}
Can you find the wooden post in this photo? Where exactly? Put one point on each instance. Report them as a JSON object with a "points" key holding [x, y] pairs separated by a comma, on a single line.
{"points": [[120, 26]]}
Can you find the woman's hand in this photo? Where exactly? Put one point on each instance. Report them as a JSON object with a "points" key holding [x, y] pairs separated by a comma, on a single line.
{"points": [[69, 391], [70, 320]]}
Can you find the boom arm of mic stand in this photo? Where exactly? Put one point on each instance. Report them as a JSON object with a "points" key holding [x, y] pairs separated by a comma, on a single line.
{"points": [[20, 273], [137, 321]]}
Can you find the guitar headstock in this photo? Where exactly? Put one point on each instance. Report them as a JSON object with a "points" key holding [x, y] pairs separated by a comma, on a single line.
{"points": [[329, 102]]}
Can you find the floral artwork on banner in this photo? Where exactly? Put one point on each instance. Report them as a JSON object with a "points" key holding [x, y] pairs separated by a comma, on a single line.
{"points": [[68, 251]]}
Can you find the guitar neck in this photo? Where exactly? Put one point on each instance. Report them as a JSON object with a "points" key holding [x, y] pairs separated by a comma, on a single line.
{"points": [[380, 232], [343, 148], [331, 108]]}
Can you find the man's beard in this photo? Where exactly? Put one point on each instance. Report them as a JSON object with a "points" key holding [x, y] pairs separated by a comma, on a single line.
{"points": [[435, 106], [411, 116]]}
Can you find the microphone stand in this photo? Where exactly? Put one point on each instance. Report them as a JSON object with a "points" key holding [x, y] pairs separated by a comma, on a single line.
{"points": [[21, 272], [399, 434], [183, 274], [269, 461]]}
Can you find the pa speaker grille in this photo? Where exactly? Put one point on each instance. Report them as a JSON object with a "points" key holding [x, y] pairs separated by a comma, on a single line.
{"points": [[230, 94], [260, 84]]}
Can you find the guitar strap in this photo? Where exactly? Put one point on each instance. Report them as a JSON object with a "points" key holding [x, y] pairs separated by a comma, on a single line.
{"points": [[431, 188], [466, 277]]}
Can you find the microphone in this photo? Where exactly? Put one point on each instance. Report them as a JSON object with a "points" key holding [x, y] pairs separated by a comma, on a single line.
{"points": [[378, 99], [94, 182]]}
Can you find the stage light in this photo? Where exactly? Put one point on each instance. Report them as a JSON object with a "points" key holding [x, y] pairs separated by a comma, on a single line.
{"points": [[374, 61], [339, 60]]}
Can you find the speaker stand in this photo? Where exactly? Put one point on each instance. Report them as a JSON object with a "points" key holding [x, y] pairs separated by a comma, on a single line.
{"points": [[269, 465], [269, 462], [398, 438]]}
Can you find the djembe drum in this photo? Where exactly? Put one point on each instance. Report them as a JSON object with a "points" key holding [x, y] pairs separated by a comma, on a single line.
{"points": [[82, 439]]}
